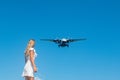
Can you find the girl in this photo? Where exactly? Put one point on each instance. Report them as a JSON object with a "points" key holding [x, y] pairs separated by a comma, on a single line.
{"points": [[30, 67]]}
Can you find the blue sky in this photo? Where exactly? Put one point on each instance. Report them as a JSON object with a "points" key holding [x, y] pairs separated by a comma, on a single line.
{"points": [[97, 58]]}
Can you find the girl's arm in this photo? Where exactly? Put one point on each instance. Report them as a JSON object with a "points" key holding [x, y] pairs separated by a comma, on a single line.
{"points": [[32, 60]]}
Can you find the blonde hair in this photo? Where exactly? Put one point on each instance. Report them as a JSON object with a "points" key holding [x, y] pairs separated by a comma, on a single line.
{"points": [[29, 46]]}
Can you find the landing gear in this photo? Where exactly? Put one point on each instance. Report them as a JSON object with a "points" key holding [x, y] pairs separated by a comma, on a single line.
{"points": [[63, 45]]}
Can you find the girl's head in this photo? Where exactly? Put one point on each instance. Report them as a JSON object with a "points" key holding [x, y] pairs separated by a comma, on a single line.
{"points": [[31, 44]]}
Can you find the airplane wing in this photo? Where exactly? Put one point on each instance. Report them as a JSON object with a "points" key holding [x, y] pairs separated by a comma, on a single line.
{"points": [[52, 40], [73, 40]]}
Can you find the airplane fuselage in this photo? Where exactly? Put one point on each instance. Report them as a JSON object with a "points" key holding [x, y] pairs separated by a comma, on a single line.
{"points": [[63, 44]]}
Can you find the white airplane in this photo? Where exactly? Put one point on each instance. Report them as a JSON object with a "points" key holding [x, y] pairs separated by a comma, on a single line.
{"points": [[63, 42]]}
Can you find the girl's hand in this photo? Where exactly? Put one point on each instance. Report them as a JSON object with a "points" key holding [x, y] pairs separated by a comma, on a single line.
{"points": [[35, 69]]}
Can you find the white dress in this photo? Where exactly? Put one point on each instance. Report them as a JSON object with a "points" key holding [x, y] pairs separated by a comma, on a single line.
{"points": [[28, 68]]}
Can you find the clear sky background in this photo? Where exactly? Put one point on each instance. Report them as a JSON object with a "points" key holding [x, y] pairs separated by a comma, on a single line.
{"points": [[97, 58]]}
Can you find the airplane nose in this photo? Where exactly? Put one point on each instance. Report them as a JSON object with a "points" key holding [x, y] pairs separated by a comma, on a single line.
{"points": [[64, 39]]}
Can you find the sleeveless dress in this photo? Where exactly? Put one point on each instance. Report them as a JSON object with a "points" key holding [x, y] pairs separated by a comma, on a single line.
{"points": [[28, 68]]}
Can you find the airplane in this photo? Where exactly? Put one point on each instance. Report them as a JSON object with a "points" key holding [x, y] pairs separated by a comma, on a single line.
{"points": [[63, 42]]}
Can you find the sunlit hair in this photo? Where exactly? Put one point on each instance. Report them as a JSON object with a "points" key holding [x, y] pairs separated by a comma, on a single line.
{"points": [[29, 45]]}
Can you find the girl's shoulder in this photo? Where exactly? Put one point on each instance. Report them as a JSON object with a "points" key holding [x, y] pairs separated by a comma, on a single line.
{"points": [[34, 51]]}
